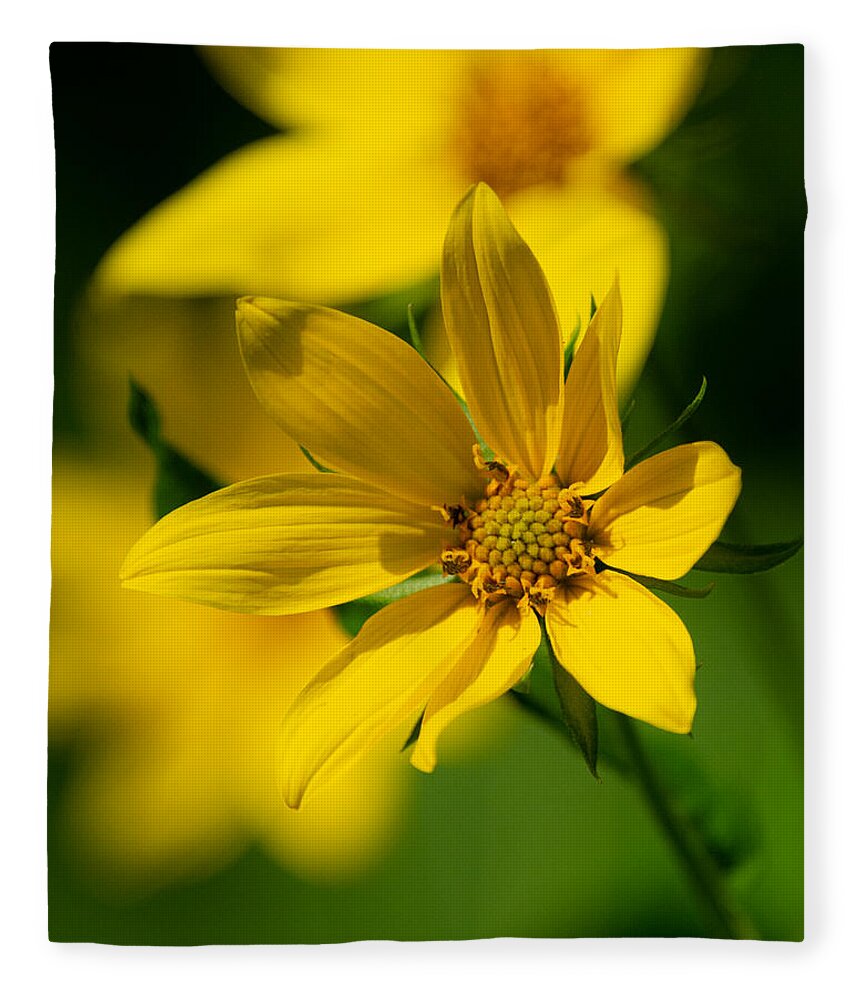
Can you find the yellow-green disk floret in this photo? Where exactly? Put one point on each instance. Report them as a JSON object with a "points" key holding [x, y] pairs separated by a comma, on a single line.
{"points": [[522, 539]]}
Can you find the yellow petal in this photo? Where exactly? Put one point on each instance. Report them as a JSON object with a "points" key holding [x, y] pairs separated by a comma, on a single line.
{"points": [[499, 655], [662, 515], [283, 544], [583, 237], [382, 678], [504, 332], [294, 218], [360, 399], [591, 451], [628, 649]]}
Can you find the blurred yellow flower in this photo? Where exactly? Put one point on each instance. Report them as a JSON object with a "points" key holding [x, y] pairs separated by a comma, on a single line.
{"points": [[180, 706], [353, 200], [551, 527], [184, 353]]}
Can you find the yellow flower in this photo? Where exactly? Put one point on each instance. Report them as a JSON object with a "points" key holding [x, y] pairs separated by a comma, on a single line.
{"points": [[524, 534], [184, 703], [354, 200]]}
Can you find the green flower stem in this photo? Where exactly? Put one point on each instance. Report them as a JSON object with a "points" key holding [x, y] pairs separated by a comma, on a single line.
{"points": [[698, 863]]}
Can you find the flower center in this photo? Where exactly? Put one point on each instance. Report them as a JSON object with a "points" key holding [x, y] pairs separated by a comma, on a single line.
{"points": [[521, 540], [520, 123]]}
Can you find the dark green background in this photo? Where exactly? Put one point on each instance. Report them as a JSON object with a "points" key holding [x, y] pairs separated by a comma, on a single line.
{"points": [[521, 841]]}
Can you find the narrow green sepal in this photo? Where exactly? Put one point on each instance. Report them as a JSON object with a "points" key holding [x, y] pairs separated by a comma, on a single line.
{"points": [[570, 347], [580, 714], [317, 465], [177, 480], [486, 450], [670, 587], [354, 614], [414, 333], [628, 413], [654, 444], [412, 738], [725, 557], [390, 311], [421, 581], [593, 308], [524, 684], [577, 706]]}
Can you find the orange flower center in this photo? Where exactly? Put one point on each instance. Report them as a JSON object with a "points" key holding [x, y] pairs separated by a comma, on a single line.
{"points": [[520, 123], [521, 540]]}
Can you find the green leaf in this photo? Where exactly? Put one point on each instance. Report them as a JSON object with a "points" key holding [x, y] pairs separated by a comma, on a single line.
{"points": [[577, 707], [177, 480], [571, 346], [676, 424], [354, 614], [317, 465], [669, 587], [726, 557]]}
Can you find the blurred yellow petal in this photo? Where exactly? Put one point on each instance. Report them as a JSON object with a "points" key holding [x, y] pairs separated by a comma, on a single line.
{"points": [[382, 678], [620, 103], [499, 655], [628, 649], [264, 663], [583, 239], [634, 97], [340, 831], [188, 702], [360, 399], [379, 100], [355, 200], [184, 353], [151, 808], [284, 544], [591, 450], [290, 218], [663, 514], [504, 332]]}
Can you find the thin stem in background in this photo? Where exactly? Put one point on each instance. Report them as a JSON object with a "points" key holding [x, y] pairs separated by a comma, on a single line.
{"points": [[698, 863], [728, 918]]}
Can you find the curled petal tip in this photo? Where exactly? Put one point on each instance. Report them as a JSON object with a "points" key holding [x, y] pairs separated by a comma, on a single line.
{"points": [[255, 307]]}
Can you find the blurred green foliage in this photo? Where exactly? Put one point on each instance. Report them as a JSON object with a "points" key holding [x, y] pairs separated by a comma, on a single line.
{"points": [[520, 840], [177, 481]]}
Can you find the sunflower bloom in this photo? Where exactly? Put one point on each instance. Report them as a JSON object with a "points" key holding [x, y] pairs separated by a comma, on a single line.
{"points": [[378, 148], [549, 525]]}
